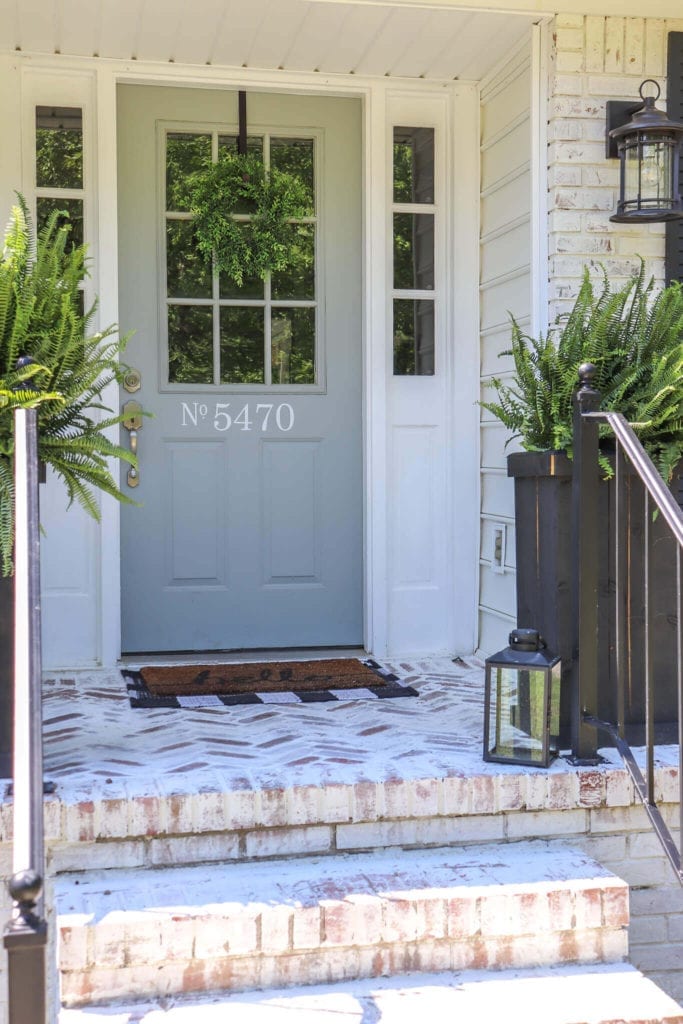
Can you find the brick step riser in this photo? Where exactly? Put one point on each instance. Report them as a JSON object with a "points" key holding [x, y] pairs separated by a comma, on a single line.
{"points": [[324, 966], [358, 937], [303, 821]]}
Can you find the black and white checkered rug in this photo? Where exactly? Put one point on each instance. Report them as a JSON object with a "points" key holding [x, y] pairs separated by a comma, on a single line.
{"points": [[140, 696]]}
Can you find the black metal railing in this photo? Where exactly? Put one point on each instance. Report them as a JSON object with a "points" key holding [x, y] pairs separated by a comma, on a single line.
{"points": [[25, 936], [659, 507]]}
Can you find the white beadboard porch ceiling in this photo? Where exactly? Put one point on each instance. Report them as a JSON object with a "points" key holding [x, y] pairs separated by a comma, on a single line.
{"points": [[293, 35]]}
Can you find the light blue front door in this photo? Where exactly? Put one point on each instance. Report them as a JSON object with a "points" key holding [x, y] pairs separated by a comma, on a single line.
{"points": [[249, 528]]}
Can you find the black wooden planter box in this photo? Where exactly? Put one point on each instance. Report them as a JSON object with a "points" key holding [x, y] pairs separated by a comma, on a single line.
{"points": [[543, 483]]}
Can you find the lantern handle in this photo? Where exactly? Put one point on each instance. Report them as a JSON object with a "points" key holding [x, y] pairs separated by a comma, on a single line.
{"points": [[650, 81]]}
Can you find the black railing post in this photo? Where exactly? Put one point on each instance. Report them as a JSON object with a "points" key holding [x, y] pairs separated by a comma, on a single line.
{"points": [[585, 536], [25, 936]]}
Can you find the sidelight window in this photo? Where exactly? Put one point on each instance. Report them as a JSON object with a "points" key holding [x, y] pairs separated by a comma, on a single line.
{"points": [[59, 167], [413, 251]]}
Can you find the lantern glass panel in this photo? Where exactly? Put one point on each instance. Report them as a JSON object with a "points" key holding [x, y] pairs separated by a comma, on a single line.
{"points": [[524, 714]]}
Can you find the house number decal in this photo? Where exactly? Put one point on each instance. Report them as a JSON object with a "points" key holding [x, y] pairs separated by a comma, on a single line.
{"points": [[263, 416]]}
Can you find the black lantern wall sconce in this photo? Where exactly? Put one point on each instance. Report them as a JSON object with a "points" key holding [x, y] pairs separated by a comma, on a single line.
{"points": [[647, 144]]}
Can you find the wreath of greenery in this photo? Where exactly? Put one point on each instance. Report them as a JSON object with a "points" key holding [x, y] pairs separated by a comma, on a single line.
{"points": [[261, 244]]}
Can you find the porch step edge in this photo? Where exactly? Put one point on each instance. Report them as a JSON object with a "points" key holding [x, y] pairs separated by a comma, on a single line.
{"points": [[600, 994]]}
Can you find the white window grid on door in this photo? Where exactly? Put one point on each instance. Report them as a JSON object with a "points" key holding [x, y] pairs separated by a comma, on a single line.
{"points": [[216, 302]]}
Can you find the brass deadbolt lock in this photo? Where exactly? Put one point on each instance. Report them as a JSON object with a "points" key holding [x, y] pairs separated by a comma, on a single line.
{"points": [[132, 381]]}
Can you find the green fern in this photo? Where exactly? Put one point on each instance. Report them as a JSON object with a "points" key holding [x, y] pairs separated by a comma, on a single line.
{"points": [[634, 337], [41, 316]]}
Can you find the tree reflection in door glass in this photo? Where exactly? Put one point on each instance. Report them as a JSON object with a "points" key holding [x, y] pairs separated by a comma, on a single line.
{"points": [[187, 273], [414, 250], [298, 280], [295, 156], [185, 153], [413, 337], [190, 344], [413, 165], [59, 147], [242, 355], [72, 219], [293, 346]]}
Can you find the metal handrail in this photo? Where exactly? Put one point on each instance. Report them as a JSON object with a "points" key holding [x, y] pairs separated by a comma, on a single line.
{"points": [[586, 722], [646, 469]]}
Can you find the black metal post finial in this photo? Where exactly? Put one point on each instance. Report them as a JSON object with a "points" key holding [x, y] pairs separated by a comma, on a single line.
{"points": [[25, 888], [587, 397]]}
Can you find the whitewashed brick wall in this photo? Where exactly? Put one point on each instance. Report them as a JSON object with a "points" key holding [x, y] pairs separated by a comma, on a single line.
{"points": [[592, 60]]}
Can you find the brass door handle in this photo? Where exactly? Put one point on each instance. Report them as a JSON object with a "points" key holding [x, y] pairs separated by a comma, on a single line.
{"points": [[132, 421]]}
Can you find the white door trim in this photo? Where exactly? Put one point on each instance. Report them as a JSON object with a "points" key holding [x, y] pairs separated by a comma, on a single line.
{"points": [[108, 80], [460, 309]]}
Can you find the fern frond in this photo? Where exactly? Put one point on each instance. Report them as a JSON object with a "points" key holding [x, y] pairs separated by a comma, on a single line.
{"points": [[40, 316]]}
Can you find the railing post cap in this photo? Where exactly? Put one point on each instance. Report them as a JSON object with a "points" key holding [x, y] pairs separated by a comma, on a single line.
{"points": [[25, 886], [587, 373]]}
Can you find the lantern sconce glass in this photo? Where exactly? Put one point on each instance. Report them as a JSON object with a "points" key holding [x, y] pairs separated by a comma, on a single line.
{"points": [[647, 144], [522, 702]]}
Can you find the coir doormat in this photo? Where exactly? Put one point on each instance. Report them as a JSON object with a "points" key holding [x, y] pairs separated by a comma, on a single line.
{"points": [[277, 682]]}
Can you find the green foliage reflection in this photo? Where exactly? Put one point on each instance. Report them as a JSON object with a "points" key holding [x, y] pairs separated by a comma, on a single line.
{"points": [[190, 345], [242, 354]]}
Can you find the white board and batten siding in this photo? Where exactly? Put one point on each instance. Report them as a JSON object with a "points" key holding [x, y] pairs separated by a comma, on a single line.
{"points": [[505, 288]]}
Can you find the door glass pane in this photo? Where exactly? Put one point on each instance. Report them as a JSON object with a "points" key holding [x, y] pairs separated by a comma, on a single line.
{"points": [[251, 287], [185, 153], [413, 165], [71, 216], [295, 156], [190, 344], [293, 346], [414, 250], [242, 345], [413, 337], [188, 276], [297, 281], [59, 147], [227, 145]]}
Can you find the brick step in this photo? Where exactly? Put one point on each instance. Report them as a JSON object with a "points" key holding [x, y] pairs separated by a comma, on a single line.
{"points": [[138, 934], [601, 994]]}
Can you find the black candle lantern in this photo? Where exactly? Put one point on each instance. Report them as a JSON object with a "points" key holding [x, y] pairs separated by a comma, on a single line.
{"points": [[522, 702], [647, 143]]}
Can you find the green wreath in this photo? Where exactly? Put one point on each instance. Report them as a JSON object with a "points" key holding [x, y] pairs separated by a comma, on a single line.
{"points": [[268, 240]]}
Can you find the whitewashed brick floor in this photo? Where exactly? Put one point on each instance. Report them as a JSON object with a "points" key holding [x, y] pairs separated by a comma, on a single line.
{"points": [[96, 743]]}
